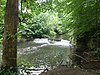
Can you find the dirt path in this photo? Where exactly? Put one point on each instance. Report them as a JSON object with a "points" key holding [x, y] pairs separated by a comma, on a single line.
{"points": [[71, 71]]}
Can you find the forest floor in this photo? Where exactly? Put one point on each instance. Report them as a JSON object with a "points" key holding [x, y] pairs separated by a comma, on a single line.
{"points": [[63, 70]]}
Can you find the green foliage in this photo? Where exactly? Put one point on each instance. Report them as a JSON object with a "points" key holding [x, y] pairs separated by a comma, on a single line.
{"points": [[42, 25], [63, 16], [7, 72], [78, 16], [97, 53], [2, 12], [52, 17]]}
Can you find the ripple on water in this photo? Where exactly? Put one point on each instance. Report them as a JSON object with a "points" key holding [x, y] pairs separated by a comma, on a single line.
{"points": [[44, 53]]}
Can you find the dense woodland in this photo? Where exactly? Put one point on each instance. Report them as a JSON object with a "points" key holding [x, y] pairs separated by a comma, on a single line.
{"points": [[78, 20]]}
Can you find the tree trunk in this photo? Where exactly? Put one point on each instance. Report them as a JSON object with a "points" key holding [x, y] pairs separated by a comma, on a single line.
{"points": [[9, 57]]}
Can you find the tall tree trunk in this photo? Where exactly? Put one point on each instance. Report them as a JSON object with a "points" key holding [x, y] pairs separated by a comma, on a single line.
{"points": [[9, 57]]}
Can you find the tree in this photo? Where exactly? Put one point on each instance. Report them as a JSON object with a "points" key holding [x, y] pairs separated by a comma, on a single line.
{"points": [[9, 57]]}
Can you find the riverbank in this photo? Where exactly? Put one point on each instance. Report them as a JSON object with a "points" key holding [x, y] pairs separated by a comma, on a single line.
{"points": [[63, 70]]}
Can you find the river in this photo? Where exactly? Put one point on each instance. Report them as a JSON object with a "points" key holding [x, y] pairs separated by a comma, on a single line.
{"points": [[44, 53]]}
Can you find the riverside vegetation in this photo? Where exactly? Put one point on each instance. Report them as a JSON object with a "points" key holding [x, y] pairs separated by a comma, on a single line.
{"points": [[25, 20]]}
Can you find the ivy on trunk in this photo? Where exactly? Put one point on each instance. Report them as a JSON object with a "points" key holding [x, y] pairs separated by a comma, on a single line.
{"points": [[9, 57]]}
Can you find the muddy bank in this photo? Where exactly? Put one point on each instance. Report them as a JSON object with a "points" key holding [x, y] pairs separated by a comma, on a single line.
{"points": [[63, 70]]}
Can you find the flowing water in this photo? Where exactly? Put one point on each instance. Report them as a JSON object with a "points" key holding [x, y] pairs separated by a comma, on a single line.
{"points": [[44, 53]]}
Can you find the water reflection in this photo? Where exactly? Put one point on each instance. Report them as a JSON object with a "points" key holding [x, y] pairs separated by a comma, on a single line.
{"points": [[44, 52]]}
